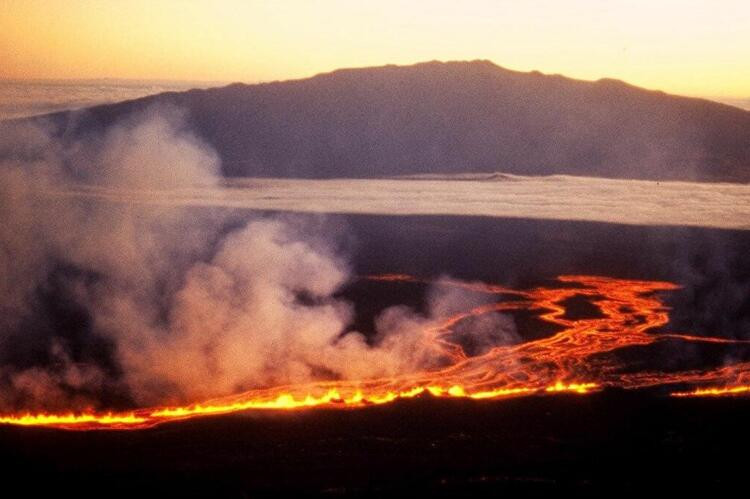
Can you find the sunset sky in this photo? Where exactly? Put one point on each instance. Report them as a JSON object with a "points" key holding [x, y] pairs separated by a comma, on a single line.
{"points": [[685, 47]]}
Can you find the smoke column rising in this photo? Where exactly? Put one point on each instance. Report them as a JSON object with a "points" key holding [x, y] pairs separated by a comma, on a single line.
{"points": [[189, 309]]}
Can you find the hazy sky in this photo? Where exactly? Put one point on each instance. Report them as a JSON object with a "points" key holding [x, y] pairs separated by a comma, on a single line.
{"points": [[681, 46]]}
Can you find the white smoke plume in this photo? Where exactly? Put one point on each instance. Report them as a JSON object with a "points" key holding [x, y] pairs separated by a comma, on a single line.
{"points": [[191, 309]]}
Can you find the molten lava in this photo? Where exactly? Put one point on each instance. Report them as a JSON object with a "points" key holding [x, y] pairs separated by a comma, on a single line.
{"points": [[578, 359]]}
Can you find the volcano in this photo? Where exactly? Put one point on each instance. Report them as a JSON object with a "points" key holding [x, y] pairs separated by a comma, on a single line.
{"points": [[451, 117], [169, 328], [611, 381]]}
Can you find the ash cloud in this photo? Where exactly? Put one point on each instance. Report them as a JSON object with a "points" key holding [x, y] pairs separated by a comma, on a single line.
{"points": [[155, 303]]}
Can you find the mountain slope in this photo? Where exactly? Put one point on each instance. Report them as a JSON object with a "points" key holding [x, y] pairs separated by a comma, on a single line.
{"points": [[454, 117]]}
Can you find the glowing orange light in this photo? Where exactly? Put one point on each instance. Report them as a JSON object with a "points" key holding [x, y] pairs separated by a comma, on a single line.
{"points": [[574, 360]]}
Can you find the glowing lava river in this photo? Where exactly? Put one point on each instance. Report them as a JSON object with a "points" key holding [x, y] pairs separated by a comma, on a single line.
{"points": [[580, 357]]}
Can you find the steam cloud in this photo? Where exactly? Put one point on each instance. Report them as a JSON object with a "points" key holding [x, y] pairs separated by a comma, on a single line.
{"points": [[186, 307]]}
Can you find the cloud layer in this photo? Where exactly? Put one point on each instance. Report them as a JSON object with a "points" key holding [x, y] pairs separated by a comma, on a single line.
{"points": [[634, 202]]}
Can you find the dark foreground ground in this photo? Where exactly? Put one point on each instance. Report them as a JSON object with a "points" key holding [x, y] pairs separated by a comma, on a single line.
{"points": [[610, 442]]}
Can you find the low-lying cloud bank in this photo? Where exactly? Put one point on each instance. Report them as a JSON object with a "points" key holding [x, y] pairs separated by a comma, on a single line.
{"points": [[159, 302], [21, 98], [634, 202]]}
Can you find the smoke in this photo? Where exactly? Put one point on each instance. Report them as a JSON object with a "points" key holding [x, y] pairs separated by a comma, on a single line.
{"points": [[162, 303], [716, 294], [475, 333]]}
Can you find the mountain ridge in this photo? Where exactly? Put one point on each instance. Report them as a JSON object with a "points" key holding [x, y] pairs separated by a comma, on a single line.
{"points": [[452, 117]]}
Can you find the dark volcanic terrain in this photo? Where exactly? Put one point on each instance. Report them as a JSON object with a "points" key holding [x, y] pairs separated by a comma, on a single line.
{"points": [[613, 442], [609, 442]]}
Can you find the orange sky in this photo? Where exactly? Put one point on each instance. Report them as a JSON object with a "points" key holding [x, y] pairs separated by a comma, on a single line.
{"points": [[687, 47]]}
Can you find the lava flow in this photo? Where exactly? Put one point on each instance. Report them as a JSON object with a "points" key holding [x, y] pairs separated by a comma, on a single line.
{"points": [[579, 358]]}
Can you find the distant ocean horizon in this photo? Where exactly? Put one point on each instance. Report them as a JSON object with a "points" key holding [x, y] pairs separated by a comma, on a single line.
{"points": [[22, 98]]}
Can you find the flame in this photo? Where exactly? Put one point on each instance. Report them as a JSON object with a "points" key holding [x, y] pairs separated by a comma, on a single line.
{"points": [[572, 387], [722, 391], [577, 360], [90, 419]]}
